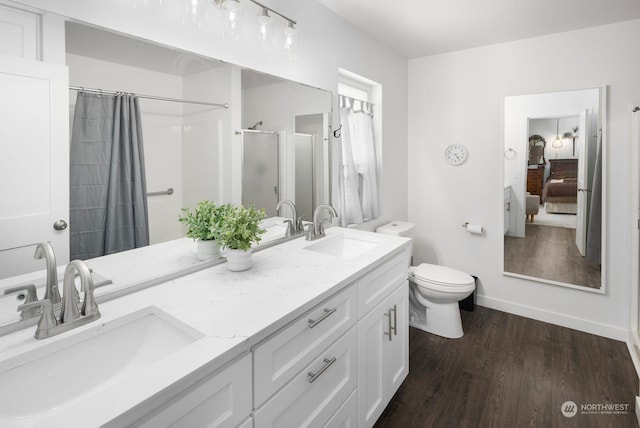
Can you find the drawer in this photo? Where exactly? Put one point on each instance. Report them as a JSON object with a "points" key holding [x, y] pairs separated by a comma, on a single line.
{"points": [[284, 354], [374, 286], [222, 400], [347, 415], [302, 403]]}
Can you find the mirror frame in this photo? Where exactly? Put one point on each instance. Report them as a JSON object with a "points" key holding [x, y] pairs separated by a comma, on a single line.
{"points": [[523, 148]]}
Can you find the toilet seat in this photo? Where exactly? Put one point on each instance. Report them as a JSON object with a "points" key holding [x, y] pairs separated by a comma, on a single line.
{"points": [[442, 278]]}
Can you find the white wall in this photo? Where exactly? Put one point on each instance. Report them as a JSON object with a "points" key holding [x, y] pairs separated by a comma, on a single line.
{"points": [[326, 43], [459, 97]]}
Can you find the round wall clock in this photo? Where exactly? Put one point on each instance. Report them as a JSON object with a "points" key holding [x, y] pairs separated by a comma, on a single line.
{"points": [[456, 154]]}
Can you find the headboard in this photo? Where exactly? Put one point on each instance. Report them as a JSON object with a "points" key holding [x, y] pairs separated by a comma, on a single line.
{"points": [[563, 168]]}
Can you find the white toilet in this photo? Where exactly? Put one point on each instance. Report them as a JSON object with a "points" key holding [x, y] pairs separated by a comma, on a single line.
{"points": [[434, 291]]}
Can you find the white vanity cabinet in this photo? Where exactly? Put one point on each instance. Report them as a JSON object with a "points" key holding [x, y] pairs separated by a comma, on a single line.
{"points": [[222, 399], [344, 370]]}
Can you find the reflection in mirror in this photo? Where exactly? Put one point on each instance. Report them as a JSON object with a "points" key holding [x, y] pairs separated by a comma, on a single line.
{"points": [[189, 149], [553, 196], [260, 170]]}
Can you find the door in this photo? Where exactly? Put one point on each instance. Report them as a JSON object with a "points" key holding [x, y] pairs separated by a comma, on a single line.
{"points": [[260, 170], [34, 165], [398, 352], [583, 184]]}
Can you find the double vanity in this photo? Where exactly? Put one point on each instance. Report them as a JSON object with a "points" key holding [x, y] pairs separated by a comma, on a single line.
{"points": [[314, 334]]}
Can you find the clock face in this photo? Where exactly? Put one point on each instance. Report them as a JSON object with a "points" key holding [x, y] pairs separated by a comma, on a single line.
{"points": [[456, 154]]}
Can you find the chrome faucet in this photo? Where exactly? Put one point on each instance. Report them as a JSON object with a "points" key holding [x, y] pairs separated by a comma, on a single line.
{"points": [[70, 316], [316, 229], [51, 292], [295, 225]]}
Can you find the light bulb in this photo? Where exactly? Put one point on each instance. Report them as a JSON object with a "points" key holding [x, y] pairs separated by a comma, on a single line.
{"points": [[264, 27], [290, 40], [233, 11]]}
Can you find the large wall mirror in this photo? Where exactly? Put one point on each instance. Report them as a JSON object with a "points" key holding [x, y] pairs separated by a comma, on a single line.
{"points": [[555, 146], [193, 151]]}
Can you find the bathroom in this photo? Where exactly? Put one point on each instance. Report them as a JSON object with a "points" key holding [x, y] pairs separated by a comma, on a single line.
{"points": [[428, 103]]}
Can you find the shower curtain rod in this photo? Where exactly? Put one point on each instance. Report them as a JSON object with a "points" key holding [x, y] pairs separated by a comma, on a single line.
{"points": [[150, 97]]}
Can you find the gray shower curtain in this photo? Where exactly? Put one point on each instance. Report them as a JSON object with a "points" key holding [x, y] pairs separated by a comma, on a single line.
{"points": [[108, 195]]}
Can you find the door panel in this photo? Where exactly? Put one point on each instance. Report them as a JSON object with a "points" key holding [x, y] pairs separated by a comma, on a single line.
{"points": [[34, 166], [583, 184]]}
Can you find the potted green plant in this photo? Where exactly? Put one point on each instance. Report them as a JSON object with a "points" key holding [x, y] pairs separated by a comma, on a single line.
{"points": [[199, 227], [237, 228]]}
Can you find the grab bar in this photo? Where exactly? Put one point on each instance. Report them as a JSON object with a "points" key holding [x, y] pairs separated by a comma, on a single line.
{"points": [[169, 191]]}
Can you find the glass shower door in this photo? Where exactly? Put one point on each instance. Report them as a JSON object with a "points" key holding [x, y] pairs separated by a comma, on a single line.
{"points": [[260, 170]]}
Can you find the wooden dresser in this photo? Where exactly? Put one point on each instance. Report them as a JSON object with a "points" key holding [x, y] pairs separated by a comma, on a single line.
{"points": [[535, 179]]}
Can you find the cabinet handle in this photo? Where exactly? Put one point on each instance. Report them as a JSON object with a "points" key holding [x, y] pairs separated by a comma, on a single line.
{"points": [[327, 364], [327, 312], [388, 333], [395, 320]]}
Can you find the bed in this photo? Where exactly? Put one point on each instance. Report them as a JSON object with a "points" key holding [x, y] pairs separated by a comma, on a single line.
{"points": [[560, 191]]}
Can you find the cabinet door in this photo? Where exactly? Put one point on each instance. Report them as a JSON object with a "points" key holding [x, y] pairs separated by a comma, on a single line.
{"points": [[371, 347], [383, 354], [34, 162], [19, 32], [397, 352]]}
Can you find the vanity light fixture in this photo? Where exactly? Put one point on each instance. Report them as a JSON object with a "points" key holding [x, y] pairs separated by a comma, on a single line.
{"points": [[233, 10], [557, 143]]}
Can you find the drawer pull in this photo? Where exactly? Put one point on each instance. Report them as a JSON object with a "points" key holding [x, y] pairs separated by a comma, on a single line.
{"points": [[395, 320], [327, 312], [388, 333], [327, 364]]}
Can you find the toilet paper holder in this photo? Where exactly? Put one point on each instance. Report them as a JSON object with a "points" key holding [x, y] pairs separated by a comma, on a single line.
{"points": [[473, 228]]}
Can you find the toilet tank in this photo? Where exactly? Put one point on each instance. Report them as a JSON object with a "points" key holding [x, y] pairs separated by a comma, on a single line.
{"points": [[399, 228]]}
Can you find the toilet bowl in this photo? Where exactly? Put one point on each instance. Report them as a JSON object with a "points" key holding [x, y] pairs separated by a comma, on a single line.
{"points": [[434, 291], [434, 295]]}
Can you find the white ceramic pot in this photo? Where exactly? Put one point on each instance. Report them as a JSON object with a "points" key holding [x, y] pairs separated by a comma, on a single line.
{"points": [[238, 260], [207, 250]]}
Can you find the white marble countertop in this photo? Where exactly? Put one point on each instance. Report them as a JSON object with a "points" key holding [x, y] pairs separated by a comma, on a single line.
{"points": [[233, 311]]}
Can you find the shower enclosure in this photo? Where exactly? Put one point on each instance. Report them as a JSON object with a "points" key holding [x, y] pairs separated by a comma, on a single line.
{"points": [[260, 169]]}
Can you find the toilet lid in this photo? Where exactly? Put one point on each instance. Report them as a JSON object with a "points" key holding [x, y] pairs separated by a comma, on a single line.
{"points": [[442, 275]]}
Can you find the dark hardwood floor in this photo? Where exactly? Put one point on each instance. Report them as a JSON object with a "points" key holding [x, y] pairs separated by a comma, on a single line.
{"points": [[550, 252], [509, 371]]}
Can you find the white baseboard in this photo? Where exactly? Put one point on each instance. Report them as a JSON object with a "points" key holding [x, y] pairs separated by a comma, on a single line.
{"points": [[556, 318]]}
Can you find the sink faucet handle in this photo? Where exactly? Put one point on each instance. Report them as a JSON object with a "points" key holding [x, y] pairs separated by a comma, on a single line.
{"points": [[300, 224], [48, 318], [290, 230], [31, 295], [89, 305], [310, 231]]}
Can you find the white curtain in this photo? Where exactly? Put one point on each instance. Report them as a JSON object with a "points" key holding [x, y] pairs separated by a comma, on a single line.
{"points": [[358, 172]]}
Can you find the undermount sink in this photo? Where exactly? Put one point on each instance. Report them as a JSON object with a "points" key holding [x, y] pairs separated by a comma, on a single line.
{"points": [[65, 372], [342, 246]]}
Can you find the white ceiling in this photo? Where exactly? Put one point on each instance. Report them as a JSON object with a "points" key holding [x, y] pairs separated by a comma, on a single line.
{"points": [[418, 28]]}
